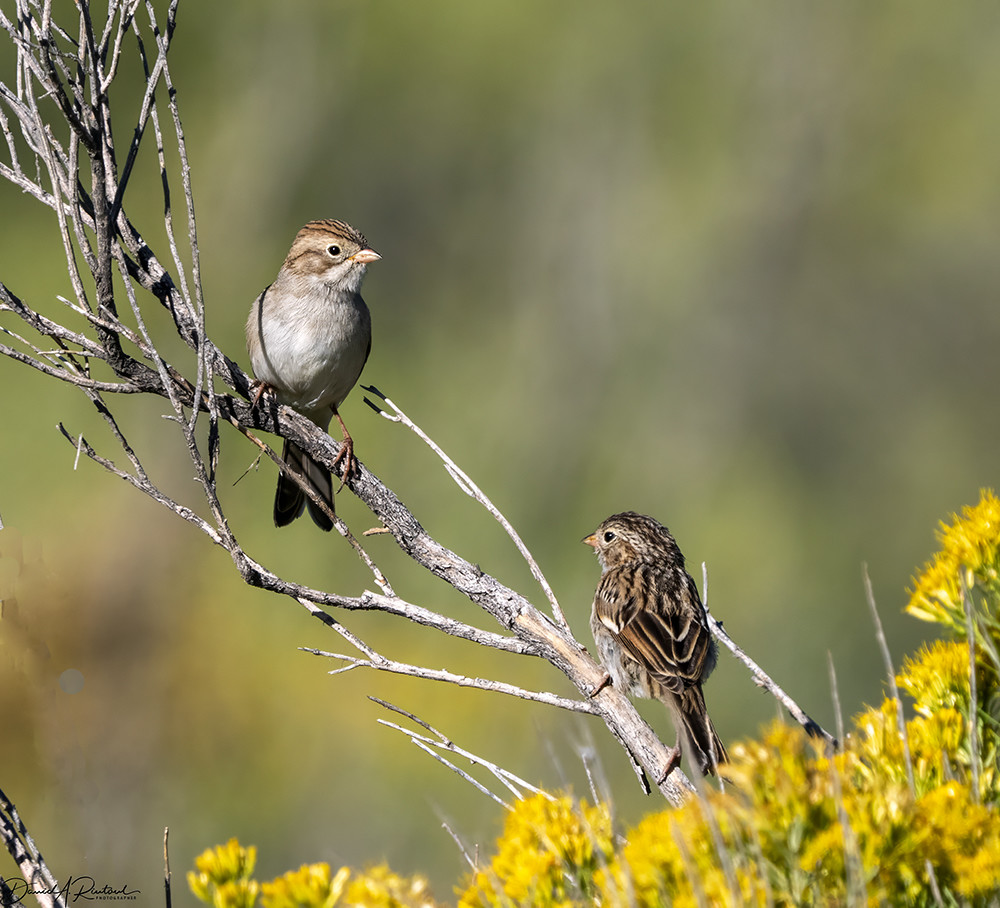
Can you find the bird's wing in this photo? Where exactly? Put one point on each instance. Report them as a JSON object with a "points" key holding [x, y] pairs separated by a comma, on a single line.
{"points": [[658, 619]]}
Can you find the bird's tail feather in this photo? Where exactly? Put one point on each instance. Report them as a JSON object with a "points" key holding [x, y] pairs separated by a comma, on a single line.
{"points": [[697, 734], [290, 500]]}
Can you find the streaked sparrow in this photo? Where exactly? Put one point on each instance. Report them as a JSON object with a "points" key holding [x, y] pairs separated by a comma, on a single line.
{"points": [[309, 335], [651, 629]]}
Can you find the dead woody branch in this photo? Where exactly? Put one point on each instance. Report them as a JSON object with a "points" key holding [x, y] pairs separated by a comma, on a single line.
{"points": [[56, 118]]}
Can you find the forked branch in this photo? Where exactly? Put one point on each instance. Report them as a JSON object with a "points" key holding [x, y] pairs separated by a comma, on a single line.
{"points": [[104, 329]]}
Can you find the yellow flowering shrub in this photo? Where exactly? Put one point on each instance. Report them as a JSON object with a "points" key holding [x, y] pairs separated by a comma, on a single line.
{"points": [[969, 556], [965, 573], [381, 888], [793, 827], [905, 816], [891, 819], [222, 879], [222, 876], [310, 885], [547, 855]]}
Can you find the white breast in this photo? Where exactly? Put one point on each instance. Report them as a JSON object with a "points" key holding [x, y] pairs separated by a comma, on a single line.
{"points": [[312, 346]]}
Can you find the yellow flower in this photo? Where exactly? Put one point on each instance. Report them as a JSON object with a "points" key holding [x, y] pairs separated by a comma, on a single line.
{"points": [[672, 858], [970, 551], [795, 826], [227, 862], [235, 894], [963, 840], [223, 876], [308, 887], [547, 855], [379, 887], [938, 677], [744, 845]]}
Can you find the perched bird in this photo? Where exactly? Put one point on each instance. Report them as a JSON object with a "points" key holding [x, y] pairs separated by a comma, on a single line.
{"points": [[651, 629], [309, 335]]}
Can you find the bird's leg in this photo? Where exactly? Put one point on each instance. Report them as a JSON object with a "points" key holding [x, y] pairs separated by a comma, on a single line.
{"points": [[603, 683], [346, 454], [262, 388], [673, 761]]}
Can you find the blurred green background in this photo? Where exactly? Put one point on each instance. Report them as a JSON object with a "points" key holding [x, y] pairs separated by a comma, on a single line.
{"points": [[730, 264]]}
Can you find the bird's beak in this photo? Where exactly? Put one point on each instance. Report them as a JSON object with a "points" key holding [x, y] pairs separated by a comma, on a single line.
{"points": [[590, 540], [365, 256]]}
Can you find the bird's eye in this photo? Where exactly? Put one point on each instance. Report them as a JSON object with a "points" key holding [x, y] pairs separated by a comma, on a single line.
{"points": [[608, 535], [333, 250]]}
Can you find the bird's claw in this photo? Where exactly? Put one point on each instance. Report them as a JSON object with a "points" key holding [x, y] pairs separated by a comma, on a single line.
{"points": [[603, 683], [346, 457], [259, 388], [673, 761]]}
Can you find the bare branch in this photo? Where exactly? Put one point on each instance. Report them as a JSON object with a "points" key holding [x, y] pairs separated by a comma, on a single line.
{"points": [[761, 679], [431, 674], [38, 879], [469, 859], [166, 867], [308, 488], [393, 605], [438, 741], [460, 772], [146, 487], [465, 483]]}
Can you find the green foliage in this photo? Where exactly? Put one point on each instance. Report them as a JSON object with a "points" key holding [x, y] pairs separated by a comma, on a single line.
{"points": [[890, 819]]}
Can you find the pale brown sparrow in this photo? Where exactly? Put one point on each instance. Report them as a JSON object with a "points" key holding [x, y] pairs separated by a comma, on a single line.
{"points": [[309, 335], [651, 629]]}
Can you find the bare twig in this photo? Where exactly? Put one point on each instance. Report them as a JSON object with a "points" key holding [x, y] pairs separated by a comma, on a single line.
{"points": [[38, 879], [438, 741], [469, 859], [311, 600], [166, 867], [973, 718], [324, 505], [762, 679], [853, 865], [890, 672], [465, 483], [835, 695], [382, 664]]}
